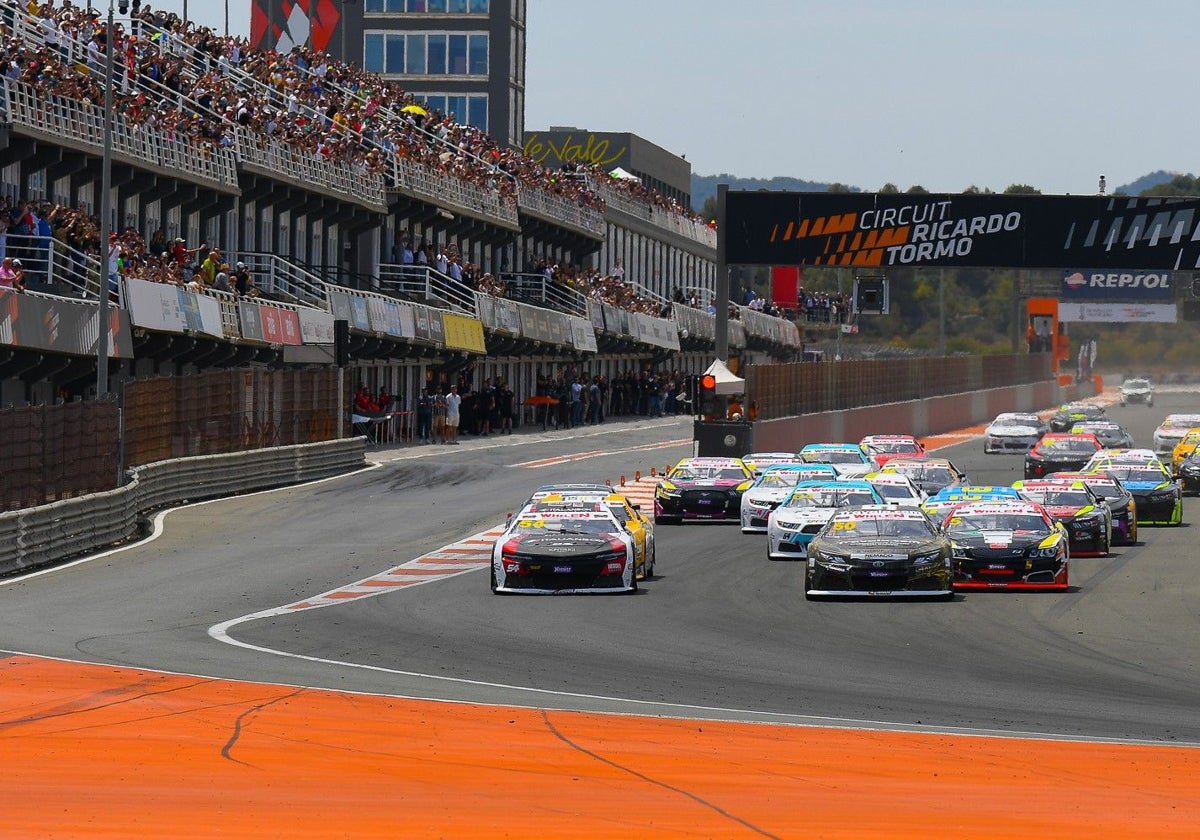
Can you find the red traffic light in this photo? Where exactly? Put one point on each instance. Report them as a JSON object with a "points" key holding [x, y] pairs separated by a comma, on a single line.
{"points": [[708, 382]]}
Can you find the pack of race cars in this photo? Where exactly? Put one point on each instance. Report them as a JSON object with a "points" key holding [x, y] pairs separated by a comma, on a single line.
{"points": [[882, 517]]}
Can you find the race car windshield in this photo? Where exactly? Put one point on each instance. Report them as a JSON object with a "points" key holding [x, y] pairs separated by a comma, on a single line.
{"points": [[1058, 498], [830, 498], [1137, 474], [833, 456], [1015, 422], [890, 446], [893, 491], [888, 528], [707, 474], [1023, 523], [781, 479]]}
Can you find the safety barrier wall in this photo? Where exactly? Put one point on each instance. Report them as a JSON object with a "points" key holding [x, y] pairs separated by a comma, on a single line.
{"points": [[912, 417], [51, 533]]}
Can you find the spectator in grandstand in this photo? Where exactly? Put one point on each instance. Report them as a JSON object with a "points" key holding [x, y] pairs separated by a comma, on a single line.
{"points": [[11, 274]]}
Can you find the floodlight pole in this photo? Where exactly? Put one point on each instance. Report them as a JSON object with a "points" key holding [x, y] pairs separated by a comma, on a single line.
{"points": [[105, 214], [721, 291]]}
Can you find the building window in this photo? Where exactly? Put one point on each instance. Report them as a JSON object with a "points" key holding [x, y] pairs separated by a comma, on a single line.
{"points": [[470, 109], [435, 54], [427, 7]]}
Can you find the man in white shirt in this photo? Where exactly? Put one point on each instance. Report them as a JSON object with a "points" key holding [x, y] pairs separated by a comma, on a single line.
{"points": [[453, 404]]}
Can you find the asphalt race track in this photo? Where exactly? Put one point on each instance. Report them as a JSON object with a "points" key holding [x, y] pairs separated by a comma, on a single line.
{"points": [[721, 632]]}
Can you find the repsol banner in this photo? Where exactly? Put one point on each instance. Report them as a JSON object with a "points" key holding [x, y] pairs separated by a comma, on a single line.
{"points": [[1098, 284], [1001, 231]]}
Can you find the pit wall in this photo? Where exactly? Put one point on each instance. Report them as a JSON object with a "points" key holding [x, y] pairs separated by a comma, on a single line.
{"points": [[919, 418]]}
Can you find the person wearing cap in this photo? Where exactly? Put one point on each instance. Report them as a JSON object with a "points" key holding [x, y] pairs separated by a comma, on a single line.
{"points": [[210, 267], [241, 279]]}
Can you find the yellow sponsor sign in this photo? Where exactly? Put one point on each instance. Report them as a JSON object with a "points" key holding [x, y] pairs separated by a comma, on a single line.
{"points": [[462, 333]]}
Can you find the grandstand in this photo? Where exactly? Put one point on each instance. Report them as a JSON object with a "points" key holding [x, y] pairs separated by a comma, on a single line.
{"points": [[256, 201]]}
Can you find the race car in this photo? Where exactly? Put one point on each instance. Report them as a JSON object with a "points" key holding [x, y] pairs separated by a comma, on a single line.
{"points": [[1111, 435], [547, 489], [1007, 545], [1059, 452], [564, 548], [883, 448], [772, 487], [702, 489], [1122, 456], [629, 515], [930, 474], [1158, 495], [1073, 503], [1189, 474], [879, 550], [847, 458], [1137, 390], [1172, 429], [896, 489], [1120, 501], [1186, 446], [1013, 431], [948, 498], [792, 525], [759, 461], [1075, 412]]}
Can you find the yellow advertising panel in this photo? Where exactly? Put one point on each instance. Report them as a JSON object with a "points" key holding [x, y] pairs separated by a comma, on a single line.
{"points": [[463, 333]]}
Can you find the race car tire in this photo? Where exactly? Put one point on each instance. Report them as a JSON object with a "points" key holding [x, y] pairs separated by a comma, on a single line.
{"points": [[648, 570], [633, 587], [1104, 548], [495, 584]]}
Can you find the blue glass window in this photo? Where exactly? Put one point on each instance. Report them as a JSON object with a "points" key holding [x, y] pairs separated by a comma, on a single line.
{"points": [[373, 52], [479, 7], [478, 55], [373, 6], [437, 7], [457, 7], [394, 62], [414, 59], [437, 55], [458, 55], [477, 112]]}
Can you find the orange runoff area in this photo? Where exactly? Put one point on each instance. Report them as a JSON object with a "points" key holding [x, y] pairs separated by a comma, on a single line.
{"points": [[97, 751]]}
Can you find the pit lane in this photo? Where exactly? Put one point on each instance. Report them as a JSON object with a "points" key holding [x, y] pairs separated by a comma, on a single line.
{"points": [[721, 632]]}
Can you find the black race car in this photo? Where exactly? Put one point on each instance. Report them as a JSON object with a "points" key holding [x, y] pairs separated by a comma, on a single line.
{"points": [[1007, 545], [702, 489], [1189, 473], [879, 550], [1075, 412], [1118, 498], [1060, 453]]}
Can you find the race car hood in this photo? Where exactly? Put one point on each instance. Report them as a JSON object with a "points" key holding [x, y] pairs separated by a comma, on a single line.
{"points": [[764, 498], [868, 548], [1000, 540], [1146, 486], [803, 516], [853, 470], [1068, 511]]}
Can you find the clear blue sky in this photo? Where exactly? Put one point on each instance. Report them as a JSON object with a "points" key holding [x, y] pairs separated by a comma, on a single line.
{"points": [[941, 93]]}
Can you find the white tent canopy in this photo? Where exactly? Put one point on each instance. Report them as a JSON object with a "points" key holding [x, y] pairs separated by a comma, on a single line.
{"points": [[624, 175], [727, 382]]}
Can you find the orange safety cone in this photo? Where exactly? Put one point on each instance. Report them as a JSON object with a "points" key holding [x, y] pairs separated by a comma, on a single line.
{"points": [[637, 476], [622, 481], [652, 472], [608, 482]]}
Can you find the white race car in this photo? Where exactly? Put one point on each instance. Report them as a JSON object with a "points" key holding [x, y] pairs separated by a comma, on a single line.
{"points": [[897, 489], [1172, 430], [564, 548], [1137, 391], [1013, 431], [775, 485], [792, 525]]}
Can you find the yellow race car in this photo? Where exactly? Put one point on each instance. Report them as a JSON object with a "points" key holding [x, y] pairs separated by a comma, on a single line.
{"points": [[1186, 446]]}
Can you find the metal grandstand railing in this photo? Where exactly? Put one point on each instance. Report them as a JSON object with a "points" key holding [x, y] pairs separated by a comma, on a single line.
{"points": [[538, 290], [440, 188], [56, 268], [659, 217], [425, 285], [66, 120], [279, 277], [560, 210], [281, 159]]}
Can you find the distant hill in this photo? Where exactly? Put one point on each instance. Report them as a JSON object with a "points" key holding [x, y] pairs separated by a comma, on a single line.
{"points": [[705, 186], [1146, 182]]}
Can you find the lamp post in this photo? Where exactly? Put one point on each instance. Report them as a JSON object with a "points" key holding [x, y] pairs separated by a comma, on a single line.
{"points": [[105, 213]]}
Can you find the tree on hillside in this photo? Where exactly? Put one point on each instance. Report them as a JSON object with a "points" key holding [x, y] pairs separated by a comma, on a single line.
{"points": [[1179, 186], [1021, 189]]}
